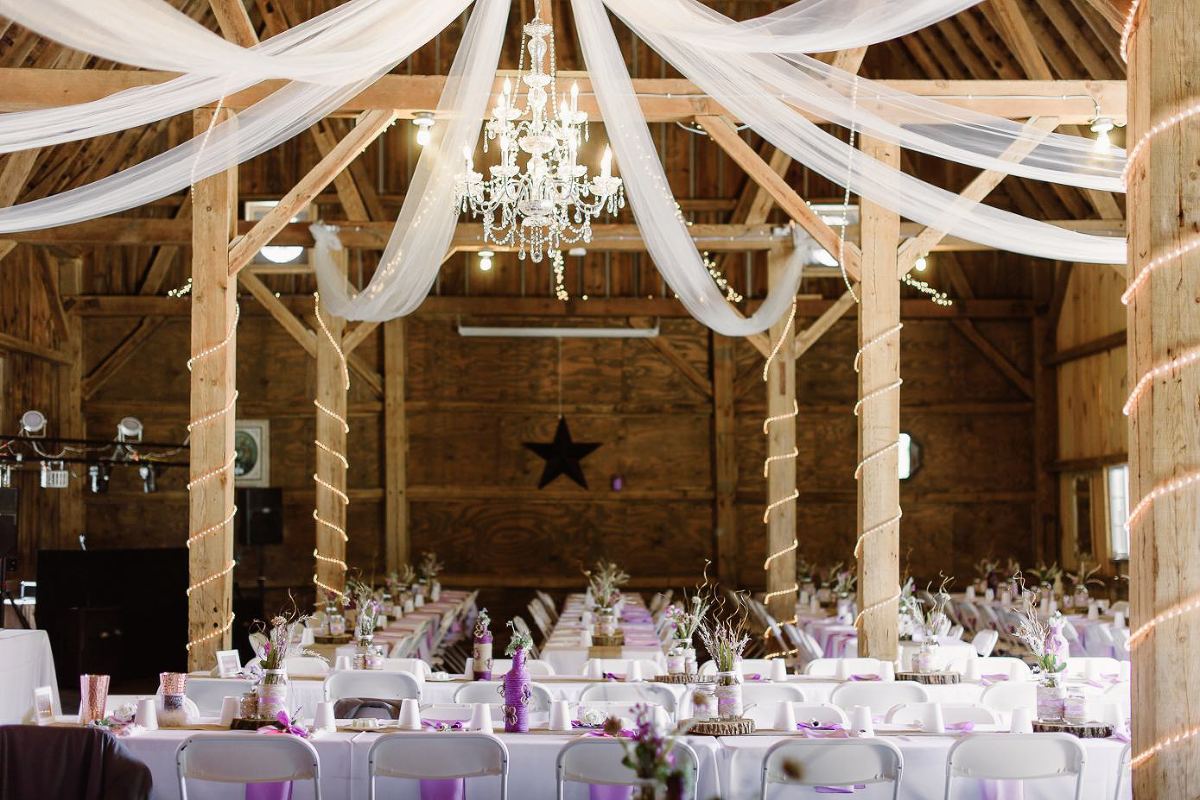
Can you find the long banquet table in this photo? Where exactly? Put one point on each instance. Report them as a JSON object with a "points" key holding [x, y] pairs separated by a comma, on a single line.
{"points": [[729, 768], [568, 657]]}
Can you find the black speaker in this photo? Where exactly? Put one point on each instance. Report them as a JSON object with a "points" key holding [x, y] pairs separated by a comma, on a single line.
{"points": [[8, 522], [260, 516]]}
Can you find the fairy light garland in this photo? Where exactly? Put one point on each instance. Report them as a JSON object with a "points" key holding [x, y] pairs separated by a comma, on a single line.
{"points": [[214, 577], [211, 529], [1127, 28], [875, 341], [841, 255], [335, 454], [1144, 383], [769, 460]]}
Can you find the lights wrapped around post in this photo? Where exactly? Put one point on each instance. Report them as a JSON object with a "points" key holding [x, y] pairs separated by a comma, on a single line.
{"points": [[333, 464]]}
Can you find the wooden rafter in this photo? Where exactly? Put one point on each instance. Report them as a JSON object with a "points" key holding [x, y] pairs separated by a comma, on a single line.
{"points": [[370, 125], [676, 359]]}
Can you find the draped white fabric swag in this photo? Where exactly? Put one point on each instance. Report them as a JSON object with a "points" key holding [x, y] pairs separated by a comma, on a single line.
{"points": [[756, 68]]}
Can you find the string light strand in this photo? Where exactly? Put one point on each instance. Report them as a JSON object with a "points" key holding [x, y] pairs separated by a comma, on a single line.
{"points": [[221, 573], [219, 632], [211, 529], [784, 336], [795, 544], [337, 455]]}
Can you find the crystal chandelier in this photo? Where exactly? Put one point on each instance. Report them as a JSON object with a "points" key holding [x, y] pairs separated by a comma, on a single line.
{"points": [[551, 202]]}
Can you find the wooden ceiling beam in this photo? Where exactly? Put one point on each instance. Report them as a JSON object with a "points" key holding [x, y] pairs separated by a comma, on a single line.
{"points": [[807, 307], [662, 99], [725, 135], [150, 231], [244, 248]]}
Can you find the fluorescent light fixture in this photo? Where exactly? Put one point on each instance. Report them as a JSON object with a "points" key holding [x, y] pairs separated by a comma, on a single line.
{"points": [[558, 333]]}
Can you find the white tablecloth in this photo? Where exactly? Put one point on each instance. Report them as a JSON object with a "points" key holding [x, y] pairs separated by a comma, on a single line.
{"points": [[563, 651], [25, 664], [729, 767]]}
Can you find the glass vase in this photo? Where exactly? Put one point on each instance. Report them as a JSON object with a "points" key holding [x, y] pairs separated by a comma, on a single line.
{"points": [[676, 660], [481, 659], [1051, 698], [272, 693], [606, 622], [729, 695], [924, 661], [517, 695]]}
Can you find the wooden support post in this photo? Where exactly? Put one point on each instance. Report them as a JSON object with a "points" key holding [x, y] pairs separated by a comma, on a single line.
{"points": [[213, 380], [879, 422], [724, 460], [70, 402], [1164, 426], [395, 445], [781, 444], [331, 402]]}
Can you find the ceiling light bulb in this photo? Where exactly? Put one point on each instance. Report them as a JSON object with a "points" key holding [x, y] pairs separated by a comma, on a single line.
{"points": [[920, 264], [1102, 126], [423, 120], [485, 260]]}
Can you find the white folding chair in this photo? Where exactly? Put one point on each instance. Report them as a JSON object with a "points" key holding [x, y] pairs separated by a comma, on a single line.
{"points": [[1100, 665], [377, 685], [417, 667], [209, 693], [820, 714], [539, 617], [1004, 697], [1121, 606], [828, 667], [985, 642], [238, 758], [435, 756], [761, 700], [493, 692], [747, 666], [833, 762], [806, 647], [1123, 767], [952, 714], [879, 697], [1015, 756], [598, 761], [620, 666], [405, 647], [1014, 668], [306, 666], [632, 693]]}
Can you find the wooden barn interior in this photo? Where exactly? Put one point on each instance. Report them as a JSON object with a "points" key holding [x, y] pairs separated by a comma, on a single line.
{"points": [[1015, 370]]}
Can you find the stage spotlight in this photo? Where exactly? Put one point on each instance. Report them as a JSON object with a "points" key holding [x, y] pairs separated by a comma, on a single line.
{"points": [[98, 475], [149, 474]]}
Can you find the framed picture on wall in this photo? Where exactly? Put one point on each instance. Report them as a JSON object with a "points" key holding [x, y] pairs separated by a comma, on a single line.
{"points": [[252, 452]]}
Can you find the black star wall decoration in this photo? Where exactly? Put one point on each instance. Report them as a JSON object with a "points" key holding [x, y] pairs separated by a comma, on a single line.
{"points": [[562, 455]]}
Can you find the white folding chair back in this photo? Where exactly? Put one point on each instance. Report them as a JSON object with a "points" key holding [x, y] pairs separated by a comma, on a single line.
{"points": [[1015, 756], [820, 714], [492, 692], [1124, 778], [1014, 668], [436, 756], [833, 762], [985, 642], [1121, 606], [1004, 697], [878, 696], [501, 666], [952, 714], [761, 701], [405, 647], [456, 712], [620, 666], [747, 666], [632, 693], [539, 616], [806, 647], [598, 761], [1078, 667], [417, 667], [306, 666], [828, 667], [376, 685], [209, 693], [238, 758]]}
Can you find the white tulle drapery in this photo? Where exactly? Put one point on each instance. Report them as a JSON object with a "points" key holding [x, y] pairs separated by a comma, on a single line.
{"points": [[151, 34], [410, 262], [275, 119], [742, 83], [395, 28]]}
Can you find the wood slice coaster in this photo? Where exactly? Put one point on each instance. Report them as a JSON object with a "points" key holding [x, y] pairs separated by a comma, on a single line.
{"points": [[340, 639], [617, 640], [721, 727], [1086, 730], [682, 678], [930, 678]]}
